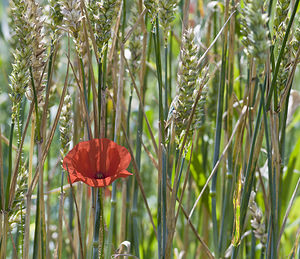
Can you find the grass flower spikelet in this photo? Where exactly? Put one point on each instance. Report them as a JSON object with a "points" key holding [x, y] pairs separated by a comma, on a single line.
{"points": [[102, 15], [166, 14], [65, 125], [255, 32], [189, 80]]}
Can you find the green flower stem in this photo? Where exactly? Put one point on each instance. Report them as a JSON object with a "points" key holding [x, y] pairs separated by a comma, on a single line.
{"points": [[98, 227], [113, 203]]}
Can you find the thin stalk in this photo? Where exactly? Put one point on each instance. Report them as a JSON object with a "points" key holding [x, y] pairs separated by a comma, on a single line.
{"points": [[100, 75], [77, 214], [28, 196], [99, 218], [84, 84], [99, 208], [170, 65], [141, 115], [134, 209], [113, 200], [4, 239], [165, 157], [217, 144], [83, 196], [162, 115], [272, 187], [166, 85], [37, 243], [83, 218], [226, 217], [2, 200], [103, 117], [249, 174], [124, 182], [3, 216], [60, 217], [9, 165], [159, 78], [38, 246]]}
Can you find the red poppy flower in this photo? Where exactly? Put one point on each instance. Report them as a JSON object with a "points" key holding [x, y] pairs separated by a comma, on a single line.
{"points": [[97, 162]]}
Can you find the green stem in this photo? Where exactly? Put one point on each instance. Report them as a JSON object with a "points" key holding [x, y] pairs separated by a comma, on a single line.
{"points": [[166, 84], [85, 94], [217, 146], [98, 222], [38, 124], [99, 92], [159, 77], [9, 164], [170, 66], [162, 115], [249, 175], [271, 178]]}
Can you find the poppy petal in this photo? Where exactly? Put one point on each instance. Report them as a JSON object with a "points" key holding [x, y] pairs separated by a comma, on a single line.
{"points": [[88, 159], [124, 173]]}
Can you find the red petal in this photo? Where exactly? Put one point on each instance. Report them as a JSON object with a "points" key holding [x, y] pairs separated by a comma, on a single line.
{"points": [[88, 158]]}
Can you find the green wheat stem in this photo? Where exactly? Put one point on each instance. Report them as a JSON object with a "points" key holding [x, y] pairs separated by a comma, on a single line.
{"points": [[162, 184], [249, 175], [136, 188], [21, 225], [166, 84], [38, 247], [226, 217], [272, 182], [36, 242], [100, 75], [217, 144], [159, 77], [61, 202], [170, 65], [2, 201], [99, 227], [9, 164], [36, 106], [134, 226]]}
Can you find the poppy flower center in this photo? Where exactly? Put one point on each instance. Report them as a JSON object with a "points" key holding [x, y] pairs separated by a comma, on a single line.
{"points": [[99, 176]]}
